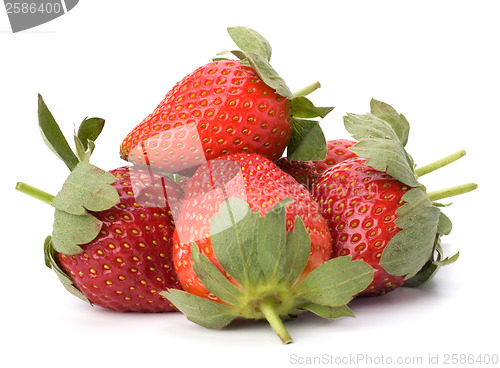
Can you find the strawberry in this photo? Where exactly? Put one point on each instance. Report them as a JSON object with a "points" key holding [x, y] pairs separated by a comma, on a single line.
{"points": [[250, 242], [360, 205], [303, 171], [223, 107], [256, 180], [308, 172], [337, 151], [130, 260], [376, 209], [111, 243]]}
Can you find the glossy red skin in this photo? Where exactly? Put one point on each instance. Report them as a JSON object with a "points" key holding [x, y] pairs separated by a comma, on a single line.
{"points": [[262, 184], [220, 108], [303, 171], [359, 204], [337, 151], [130, 261], [308, 172]]}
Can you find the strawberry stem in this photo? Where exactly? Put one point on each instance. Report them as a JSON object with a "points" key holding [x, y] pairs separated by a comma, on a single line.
{"points": [[421, 171], [35, 192], [307, 90], [267, 306], [450, 192]]}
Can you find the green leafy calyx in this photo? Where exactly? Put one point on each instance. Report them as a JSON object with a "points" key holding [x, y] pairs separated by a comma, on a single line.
{"points": [[380, 145], [266, 263], [397, 121], [87, 188]]}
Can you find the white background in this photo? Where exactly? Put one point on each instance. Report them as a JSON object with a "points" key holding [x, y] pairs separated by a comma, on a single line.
{"points": [[437, 62]]}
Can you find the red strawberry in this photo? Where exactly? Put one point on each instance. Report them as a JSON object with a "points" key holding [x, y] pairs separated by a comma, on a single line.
{"points": [[261, 184], [303, 171], [359, 204], [337, 151], [308, 172], [111, 242], [126, 266], [227, 107], [250, 243], [377, 210], [220, 108]]}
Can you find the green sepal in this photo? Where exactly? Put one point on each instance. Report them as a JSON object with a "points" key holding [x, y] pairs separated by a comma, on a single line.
{"points": [[221, 58], [251, 248], [201, 311], [380, 145], [430, 269], [69, 231], [267, 73], [212, 278], [80, 148], [302, 107], [87, 188], [409, 250], [256, 52], [50, 261], [444, 224], [238, 53], [336, 282], [296, 254], [329, 312], [90, 150], [53, 137], [308, 142], [232, 234], [89, 130], [271, 242], [438, 254], [448, 260], [423, 276], [397, 121], [249, 40], [263, 69]]}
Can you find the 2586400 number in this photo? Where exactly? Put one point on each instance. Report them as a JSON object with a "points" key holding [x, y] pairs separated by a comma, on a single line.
{"points": [[468, 359], [32, 8]]}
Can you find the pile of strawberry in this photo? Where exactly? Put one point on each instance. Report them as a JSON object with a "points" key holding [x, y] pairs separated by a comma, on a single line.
{"points": [[211, 219]]}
